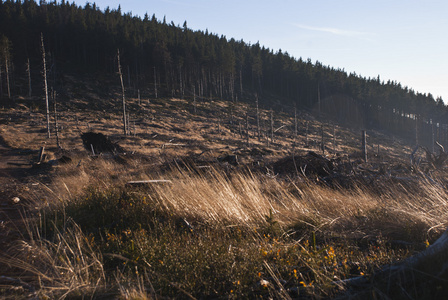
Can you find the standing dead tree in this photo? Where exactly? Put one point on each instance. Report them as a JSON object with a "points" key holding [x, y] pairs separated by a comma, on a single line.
{"points": [[334, 138], [5, 48], [45, 84], [364, 146], [56, 125], [194, 99], [272, 126], [295, 124], [8, 84], [125, 131], [322, 140], [28, 71], [258, 118], [247, 130], [155, 83]]}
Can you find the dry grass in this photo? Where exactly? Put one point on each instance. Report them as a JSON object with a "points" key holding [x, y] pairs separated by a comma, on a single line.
{"points": [[290, 230], [237, 232]]}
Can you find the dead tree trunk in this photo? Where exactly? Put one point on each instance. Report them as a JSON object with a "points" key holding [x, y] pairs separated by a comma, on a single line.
{"points": [[194, 98], [416, 131], [155, 83], [258, 118], [306, 133], [125, 131], [295, 123], [8, 86], [139, 99], [28, 71], [272, 126], [432, 137], [45, 84], [247, 129], [364, 146], [241, 84], [181, 89], [334, 138], [129, 78], [1, 81], [56, 120], [322, 141], [318, 98]]}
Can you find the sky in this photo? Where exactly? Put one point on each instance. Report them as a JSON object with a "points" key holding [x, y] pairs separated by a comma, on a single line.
{"points": [[403, 41]]}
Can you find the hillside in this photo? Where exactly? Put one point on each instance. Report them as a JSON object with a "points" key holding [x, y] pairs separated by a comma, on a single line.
{"points": [[239, 172], [161, 59], [289, 217]]}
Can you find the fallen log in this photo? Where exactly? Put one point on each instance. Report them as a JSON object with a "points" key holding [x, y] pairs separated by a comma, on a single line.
{"points": [[41, 156], [431, 263], [152, 181], [173, 145], [18, 164]]}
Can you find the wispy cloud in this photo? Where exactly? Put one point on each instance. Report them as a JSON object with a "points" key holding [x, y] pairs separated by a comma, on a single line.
{"points": [[181, 3], [332, 30]]}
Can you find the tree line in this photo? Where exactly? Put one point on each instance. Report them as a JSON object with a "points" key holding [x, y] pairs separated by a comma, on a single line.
{"points": [[167, 60]]}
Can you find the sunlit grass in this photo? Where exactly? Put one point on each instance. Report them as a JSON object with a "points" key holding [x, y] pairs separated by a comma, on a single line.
{"points": [[209, 234]]}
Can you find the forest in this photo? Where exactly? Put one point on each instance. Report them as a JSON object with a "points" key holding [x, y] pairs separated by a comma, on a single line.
{"points": [[165, 59]]}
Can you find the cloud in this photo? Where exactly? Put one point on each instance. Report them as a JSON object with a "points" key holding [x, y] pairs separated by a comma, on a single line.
{"points": [[335, 31]]}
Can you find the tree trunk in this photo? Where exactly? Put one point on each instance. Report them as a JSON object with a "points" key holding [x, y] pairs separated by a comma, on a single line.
{"points": [[138, 95], [241, 84], [364, 146], [322, 142], [258, 118], [28, 70], [272, 126], [125, 131], [45, 84], [318, 99], [194, 98], [247, 129], [155, 83], [295, 124], [56, 127], [8, 86], [1, 82]]}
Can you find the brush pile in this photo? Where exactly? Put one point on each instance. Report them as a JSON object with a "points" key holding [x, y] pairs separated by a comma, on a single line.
{"points": [[99, 143]]}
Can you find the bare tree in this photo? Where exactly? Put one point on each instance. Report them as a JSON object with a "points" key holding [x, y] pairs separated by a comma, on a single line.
{"points": [[56, 125], [7, 75], [6, 47], [1, 80], [318, 99], [295, 123], [272, 126], [155, 83], [194, 98], [258, 118], [125, 131], [28, 71], [45, 84], [364, 146]]}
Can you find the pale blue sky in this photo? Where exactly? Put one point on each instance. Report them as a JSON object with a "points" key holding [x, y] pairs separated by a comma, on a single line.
{"points": [[406, 41]]}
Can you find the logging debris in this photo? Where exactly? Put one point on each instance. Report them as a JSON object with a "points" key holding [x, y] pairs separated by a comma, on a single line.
{"points": [[99, 143]]}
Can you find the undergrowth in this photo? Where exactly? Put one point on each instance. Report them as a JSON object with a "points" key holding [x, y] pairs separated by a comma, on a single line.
{"points": [[218, 236]]}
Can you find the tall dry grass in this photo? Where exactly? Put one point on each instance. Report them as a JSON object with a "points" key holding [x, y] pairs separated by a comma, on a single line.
{"points": [[99, 235]]}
